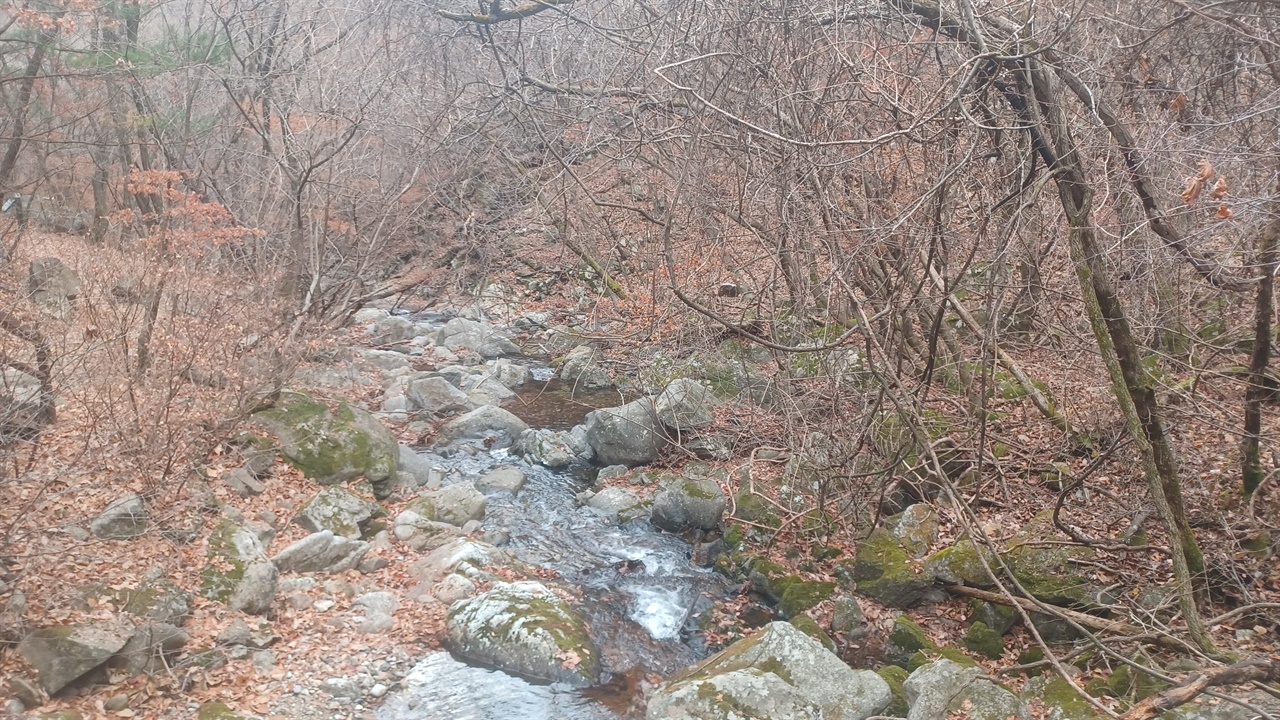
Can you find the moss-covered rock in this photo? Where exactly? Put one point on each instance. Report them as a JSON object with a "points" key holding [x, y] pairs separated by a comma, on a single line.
{"points": [[961, 564], [158, 599], [331, 446], [778, 673], [1127, 682], [232, 549], [895, 677], [1050, 573], [1059, 700], [945, 652], [984, 641], [810, 627], [748, 506], [906, 639], [885, 572], [915, 528], [1000, 618], [769, 578], [804, 594], [337, 509], [217, 711], [525, 629]]}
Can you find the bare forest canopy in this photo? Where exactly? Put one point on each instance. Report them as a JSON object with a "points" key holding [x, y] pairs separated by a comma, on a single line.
{"points": [[916, 198]]}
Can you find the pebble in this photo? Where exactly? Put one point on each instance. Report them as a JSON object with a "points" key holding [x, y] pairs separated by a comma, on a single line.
{"points": [[324, 605], [116, 702], [14, 707], [378, 690]]}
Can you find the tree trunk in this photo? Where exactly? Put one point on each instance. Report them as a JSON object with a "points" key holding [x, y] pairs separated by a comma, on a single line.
{"points": [[1251, 471]]}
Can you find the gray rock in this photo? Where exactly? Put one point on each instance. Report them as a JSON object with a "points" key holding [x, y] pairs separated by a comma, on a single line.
{"points": [[627, 435], [553, 448], [257, 589], [417, 465], [453, 588], [777, 674], [28, 692], [709, 448], [483, 390], [610, 472], [685, 405], [457, 504], [386, 360], [436, 396], [64, 653], [487, 341], [508, 373], [915, 527], [331, 447], [147, 648], [378, 607], [846, 614], [614, 502], [233, 549], [337, 509], [259, 637], [937, 689], [321, 552], [688, 504], [582, 368], [458, 555], [492, 426], [391, 330], [502, 479], [51, 280], [125, 518], [526, 629], [263, 660], [244, 483], [14, 707]]}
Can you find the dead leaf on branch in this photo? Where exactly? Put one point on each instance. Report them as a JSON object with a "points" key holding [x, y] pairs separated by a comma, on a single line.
{"points": [[1219, 188], [1196, 183]]}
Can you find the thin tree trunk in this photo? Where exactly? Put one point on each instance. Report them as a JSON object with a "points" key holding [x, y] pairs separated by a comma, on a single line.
{"points": [[1251, 471]]}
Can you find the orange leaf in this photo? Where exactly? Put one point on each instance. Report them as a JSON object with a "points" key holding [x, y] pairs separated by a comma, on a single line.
{"points": [[1219, 188], [1224, 213]]}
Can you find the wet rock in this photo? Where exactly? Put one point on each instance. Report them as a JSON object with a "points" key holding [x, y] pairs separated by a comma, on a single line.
{"points": [[626, 435], [336, 509], [436, 396], [321, 552], [526, 629], [226, 577], [615, 502], [147, 648], [125, 518], [458, 555], [936, 690], [457, 504], [64, 653], [685, 405], [492, 426], [502, 479], [582, 368], [778, 673], [485, 340], [553, 448], [688, 504], [331, 447]]}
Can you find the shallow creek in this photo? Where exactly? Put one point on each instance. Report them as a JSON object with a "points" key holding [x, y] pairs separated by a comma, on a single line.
{"points": [[641, 614]]}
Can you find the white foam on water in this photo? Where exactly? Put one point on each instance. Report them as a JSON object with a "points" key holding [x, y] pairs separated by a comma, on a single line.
{"points": [[661, 611]]}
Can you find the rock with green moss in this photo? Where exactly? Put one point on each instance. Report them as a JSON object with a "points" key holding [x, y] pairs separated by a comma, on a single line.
{"points": [[331, 446], [915, 528], [778, 673], [937, 690], [945, 652], [64, 653], [237, 571], [337, 509], [1000, 618], [1206, 711], [1128, 682], [895, 677], [688, 503], [769, 578], [906, 639], [217, 711], [1059, 700], [159, 600], [810, 627], [886, 573], [1051, 573], [804, 594], [984, 640], [750, 507], [60, 715], [961, 564], [525, 629]]}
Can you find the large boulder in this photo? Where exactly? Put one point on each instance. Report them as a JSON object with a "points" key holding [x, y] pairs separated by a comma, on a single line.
{"points": [[582, 368], [159, 600], [555, 449], [148, 647], [331, 446], [486, 340], [502, 479], [685, 405], [887, 573], [437, 396], [615, 502], [53, 285], [779, 673], [525, 629], [339, 510], [237, 571], [64, 653], [626, 435], [492, 426], [459, 504], [688, 504], [321, 552], [508, 373], [936, 690]]}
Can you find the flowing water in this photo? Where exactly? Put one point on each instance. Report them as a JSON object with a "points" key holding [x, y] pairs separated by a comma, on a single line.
{"points": [[639, 592]]}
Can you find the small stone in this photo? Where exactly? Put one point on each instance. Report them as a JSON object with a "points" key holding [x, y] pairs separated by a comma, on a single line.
{"points": [[244, 483], [472, 527], [378, 690], [116, 702], [324, 605], [14, 707], [263, 660], [125, 518], [26, 691]]}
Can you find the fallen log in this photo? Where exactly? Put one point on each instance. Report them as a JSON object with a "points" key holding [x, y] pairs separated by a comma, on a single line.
{"points": [[1256, 670]]}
